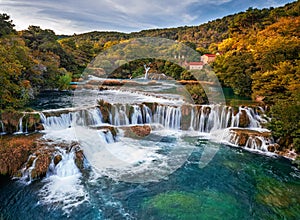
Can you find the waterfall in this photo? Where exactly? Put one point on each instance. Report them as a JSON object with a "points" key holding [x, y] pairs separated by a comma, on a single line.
{"points": [[87, 117], [147, 68], [137, 117], [258, 143], [20, 126], [253, 139], [62, 184], [57, 122], [119, 116], [209, 118], [66, 167], [96, 116], [2, 128], [204, 118], [27, 170], [147, 114], [168, 116]]}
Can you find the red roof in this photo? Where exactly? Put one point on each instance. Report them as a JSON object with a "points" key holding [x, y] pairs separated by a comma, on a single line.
{"points": [[195, 63], [210, 55]]}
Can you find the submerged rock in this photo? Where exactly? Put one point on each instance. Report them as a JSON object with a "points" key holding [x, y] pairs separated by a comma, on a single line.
{"points": [[207, 204]]}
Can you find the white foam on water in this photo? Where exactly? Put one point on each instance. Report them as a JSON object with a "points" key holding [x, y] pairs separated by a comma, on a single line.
{"points": [[133, 160], [135, 97], [60, 135], [224, 136], [63, 188]]}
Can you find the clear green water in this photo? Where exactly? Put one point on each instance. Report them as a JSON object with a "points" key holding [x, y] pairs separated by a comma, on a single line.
{"points": [[235, 100], [235, 184]]}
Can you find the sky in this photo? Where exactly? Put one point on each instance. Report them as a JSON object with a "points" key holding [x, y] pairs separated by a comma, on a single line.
{"points": [[79, 16]]}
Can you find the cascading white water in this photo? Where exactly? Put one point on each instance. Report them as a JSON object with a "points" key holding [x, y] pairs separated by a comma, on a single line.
{"points": [[258, 143], [168, 116], [137, 117], [63, 184], [147, 114], [214, 117], [26, 171], [2, 128], [205, 118], [96, 116], [147, 68], [20, 126], [256, 139], [125, 159], [87, 117], [119, 116], [57, 122], [66, 167]]}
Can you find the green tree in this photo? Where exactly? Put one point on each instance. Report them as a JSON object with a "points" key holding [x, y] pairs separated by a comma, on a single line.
{"points": [[6, 25], [234, 70], [279, 84], [64, 79], [14, 88], [285, 123]]}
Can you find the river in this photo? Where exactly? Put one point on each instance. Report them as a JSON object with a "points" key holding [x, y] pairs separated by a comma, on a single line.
{"points": [[172, 173]]}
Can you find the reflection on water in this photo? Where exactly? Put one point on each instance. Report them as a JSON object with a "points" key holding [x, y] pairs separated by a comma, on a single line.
{"points": [[235, 100], [52, 100]]}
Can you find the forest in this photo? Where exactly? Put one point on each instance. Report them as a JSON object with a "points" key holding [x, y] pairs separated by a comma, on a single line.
{"points": [[259, 58]]}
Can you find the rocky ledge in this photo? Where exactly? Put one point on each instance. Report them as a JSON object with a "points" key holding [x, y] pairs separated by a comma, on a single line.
{"points": [[30, 155], [258, 140]]}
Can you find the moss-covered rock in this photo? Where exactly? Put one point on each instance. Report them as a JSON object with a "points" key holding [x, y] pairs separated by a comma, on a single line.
{"points": [[207, 204], [281, 198], [11, 121], [41, 165], [14, 152]]}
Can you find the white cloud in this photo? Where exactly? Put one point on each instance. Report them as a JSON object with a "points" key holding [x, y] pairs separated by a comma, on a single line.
{"points": [[69, 16]]}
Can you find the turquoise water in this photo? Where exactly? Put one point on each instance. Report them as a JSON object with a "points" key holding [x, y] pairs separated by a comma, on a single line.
{"points": [[235, 184]]}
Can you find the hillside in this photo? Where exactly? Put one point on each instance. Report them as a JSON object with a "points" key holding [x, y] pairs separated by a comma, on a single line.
{"points": [[203, 37]]}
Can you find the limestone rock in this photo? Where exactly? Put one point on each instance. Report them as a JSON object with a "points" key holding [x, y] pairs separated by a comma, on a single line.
{"points": [[136, 131], [244, 120], [57, 159], [79, 159]]}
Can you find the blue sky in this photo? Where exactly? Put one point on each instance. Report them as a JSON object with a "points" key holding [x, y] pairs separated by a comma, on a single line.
{"points": [[78, 16]]}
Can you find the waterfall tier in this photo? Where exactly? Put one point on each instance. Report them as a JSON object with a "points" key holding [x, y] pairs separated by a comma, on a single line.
{"points": [[202, 118]]}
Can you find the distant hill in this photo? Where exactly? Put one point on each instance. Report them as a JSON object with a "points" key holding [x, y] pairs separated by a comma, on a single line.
{"points": [[203, 37]]}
